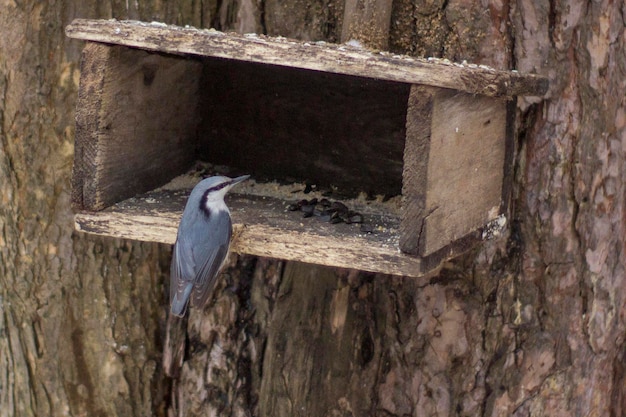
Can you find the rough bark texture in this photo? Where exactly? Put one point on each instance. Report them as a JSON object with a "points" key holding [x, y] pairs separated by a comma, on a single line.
{"points": [[81, 317], [532, 323]]}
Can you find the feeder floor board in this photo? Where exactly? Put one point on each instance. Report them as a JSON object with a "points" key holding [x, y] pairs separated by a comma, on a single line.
{"points": [[263, 226]]}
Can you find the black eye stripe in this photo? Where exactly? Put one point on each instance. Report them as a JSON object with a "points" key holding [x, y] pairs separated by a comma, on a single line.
{"points": [[218, 187]]}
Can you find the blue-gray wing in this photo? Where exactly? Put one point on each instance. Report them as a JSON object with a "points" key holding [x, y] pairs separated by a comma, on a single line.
{"points": [[210, 254], [199, 254], [207, 275]]}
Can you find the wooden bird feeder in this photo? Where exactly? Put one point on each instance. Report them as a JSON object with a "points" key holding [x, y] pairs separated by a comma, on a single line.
{"points": [[154, 99]]}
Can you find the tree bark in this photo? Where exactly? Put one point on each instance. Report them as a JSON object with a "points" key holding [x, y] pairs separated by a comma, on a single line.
{"points": [[81, 316], [530, 323]]}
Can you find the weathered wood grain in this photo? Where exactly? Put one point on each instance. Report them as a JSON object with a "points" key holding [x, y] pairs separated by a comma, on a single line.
{"points": [[135, 123], [89, 101], [315, 56], [415, 167], [465, 167], [262, 226]]}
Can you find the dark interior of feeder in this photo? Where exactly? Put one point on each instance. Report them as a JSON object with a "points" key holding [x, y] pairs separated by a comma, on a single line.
{"points": [[278, 123]]}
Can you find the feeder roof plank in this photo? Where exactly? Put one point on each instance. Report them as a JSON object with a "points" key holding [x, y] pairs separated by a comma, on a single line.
{"points": [[317, 56]]}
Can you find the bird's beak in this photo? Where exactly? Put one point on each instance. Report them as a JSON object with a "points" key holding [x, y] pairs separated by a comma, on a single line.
{"points": [[237, 180]]}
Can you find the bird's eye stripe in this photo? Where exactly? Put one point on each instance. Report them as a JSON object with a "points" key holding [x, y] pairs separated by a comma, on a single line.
{"points": [[218, 187]]}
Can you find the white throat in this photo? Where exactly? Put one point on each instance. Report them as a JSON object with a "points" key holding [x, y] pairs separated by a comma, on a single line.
{"points": [[216, 205]]}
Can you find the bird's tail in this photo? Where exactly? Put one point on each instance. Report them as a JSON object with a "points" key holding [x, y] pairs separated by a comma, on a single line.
{"points": [[174, 346]]}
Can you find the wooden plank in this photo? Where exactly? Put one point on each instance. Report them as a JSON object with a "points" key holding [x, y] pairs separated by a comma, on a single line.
{"points": [[314, 56], [415, 167], [465, 169], [509, 154], [89, 101], [135, 123], [263, 227]]}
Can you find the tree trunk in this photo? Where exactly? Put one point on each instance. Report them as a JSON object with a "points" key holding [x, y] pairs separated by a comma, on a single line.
{"points": [[531, 323], [81, 316]]}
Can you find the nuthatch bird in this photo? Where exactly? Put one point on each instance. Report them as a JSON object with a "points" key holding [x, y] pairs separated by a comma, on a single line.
{"points": [[201, 244], [199, 253]]}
